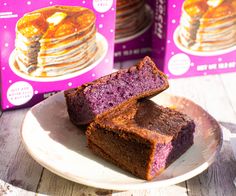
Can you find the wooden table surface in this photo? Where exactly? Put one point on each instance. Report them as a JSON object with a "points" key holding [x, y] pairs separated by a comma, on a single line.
{"points": [[21, 175]]}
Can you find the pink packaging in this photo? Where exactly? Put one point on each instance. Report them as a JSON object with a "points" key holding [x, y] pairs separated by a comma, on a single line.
{"points": [[133, 29], [57, 45], [193, 38]]}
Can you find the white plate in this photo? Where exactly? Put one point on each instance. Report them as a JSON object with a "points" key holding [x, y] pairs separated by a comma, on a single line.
{"points": [[55, 143], [150, 19], [100, 54], [199, 53]]}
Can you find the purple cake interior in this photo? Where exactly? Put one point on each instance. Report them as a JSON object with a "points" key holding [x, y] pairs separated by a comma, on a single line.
{"points": [[165, 154], [122, 87], [167, 122], [94, 98]]}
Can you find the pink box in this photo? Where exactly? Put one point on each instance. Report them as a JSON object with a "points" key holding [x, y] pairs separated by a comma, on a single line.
{"points": [[133, 29], [48, 46], [193, 38]]}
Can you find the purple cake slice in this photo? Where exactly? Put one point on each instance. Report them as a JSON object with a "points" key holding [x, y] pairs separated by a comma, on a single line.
{"points": [[87, 102], [143, 138]]}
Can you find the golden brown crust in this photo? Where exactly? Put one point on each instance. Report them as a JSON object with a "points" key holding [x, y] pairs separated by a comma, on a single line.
{"points": [[104, 155], [129, 136], [133, 120]]}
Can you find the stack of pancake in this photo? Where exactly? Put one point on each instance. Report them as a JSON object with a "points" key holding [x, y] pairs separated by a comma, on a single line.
{"points": [[55, 40], [131, 17], [208, 25]]}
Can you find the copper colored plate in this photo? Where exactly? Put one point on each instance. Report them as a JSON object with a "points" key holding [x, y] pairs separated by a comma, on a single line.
{"points": [[55, 143]]}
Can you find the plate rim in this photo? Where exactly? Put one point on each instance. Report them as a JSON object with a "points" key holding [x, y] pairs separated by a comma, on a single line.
{"points": [[143, 184]]}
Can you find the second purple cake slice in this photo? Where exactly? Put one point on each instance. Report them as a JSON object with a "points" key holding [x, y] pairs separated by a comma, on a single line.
{"points": [[112, 91], [142, 138]]}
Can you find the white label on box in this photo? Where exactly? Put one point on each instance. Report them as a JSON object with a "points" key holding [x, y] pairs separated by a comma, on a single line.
{"points": [[102, 5], [19, 93], [179, 64]]}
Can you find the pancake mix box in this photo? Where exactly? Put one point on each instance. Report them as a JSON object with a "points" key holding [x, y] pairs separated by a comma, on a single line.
{"points": [[48, 46], [195, 37], [133, 29]]}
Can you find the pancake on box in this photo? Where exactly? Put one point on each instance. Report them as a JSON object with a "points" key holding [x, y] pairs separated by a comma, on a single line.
{"points": [[131, 17], [195, 37], [49, 46], [55, 40], [133, 29], [208, 25]]}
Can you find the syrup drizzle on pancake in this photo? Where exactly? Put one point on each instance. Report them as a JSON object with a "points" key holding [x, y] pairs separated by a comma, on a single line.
{"points": [[208, 25], [55, 40]]}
